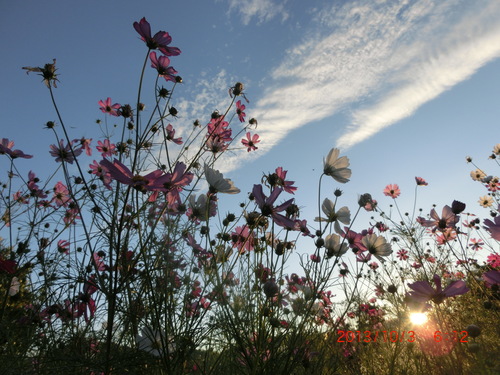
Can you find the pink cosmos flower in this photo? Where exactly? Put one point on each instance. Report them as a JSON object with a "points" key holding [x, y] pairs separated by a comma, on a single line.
{"points": [[447, 220], [493, 260], [218, 135], [266, 206], [239, 111], [423, 291], [476, 244], [110, 109], [243, 239], [64, 153], [118, 171], [6, 148], [61, 195], [250, 142], [161, 64], [403, 254], [392, 191], [420, 181], [63, 246], [160, 40], [101, 173], [492, 278], [106, 148], [173, 183], [85, 145], [170, 135]]}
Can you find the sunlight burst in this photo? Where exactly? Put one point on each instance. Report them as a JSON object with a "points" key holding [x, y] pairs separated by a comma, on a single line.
{"points": [[418, 318]]}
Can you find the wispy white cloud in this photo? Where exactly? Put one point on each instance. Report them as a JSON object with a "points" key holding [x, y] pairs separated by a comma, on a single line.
{"points": [[263, 10], [395, 55]]}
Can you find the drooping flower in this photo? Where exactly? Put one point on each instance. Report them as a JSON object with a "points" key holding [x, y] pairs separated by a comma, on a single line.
{"points": [[218, 135], [267, 209], [6, 148], [392, 191], [110, 109], [420, 181], [335, 246], [250, 142], [457, 207], [377, 246], [217, 182], [422, 291], [343, 215], [85, 145], [171, 134], [162, 66], [240, 111], [337, 167], [48, 72], [160, 40]]}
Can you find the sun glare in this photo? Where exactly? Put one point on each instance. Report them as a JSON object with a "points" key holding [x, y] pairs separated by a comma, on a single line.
{"points": [[418, 318]]}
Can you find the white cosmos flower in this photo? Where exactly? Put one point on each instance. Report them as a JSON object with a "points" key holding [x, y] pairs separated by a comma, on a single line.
{"points": [[377, 245], [343, 215], [335, 246], [152, 342], [218, 183], [15, 285], [337, 167]]}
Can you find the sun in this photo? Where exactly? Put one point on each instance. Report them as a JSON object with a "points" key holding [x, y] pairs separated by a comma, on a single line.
{"points": [[418, 318]]}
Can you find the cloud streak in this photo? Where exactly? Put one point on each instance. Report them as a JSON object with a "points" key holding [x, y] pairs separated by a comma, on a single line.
{"points": [[394, 57]]}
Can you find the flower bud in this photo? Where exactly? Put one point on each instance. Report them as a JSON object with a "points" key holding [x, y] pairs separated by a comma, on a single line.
{"points": [[270, 288]]}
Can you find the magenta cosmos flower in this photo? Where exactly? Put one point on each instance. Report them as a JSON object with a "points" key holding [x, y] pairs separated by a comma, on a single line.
{"points": [[423, 291], [492, 278], [420, 181], [392, 191], [6, 148], [161, 64], [160, 40], [240, 108], [110, 109], [493, 227], [267, 209], [118, 171], [250, 142]]}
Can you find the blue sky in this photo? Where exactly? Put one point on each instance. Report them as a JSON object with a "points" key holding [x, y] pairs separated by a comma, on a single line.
{"points": [[404, 88]]}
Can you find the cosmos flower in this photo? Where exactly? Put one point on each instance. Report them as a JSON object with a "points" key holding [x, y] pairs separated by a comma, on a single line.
{"points": [[493, 227], [492, 278], [250, 142], [6, 148], [110, 109], [239, 111], [447, 220], [64, 153], [160, 40], [485, 201], [337, 167], [377, 246], [171, 134], [118, 171], [392, 191], [343, 215], [335, 246], [423, 291], [420, 181], [162, 66], [266, 206], [217, 182]]}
